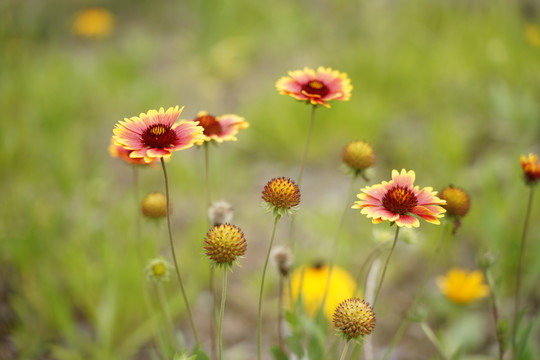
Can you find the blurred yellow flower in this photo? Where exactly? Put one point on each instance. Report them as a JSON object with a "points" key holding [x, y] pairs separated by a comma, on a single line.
{"points": [[309, 283], [93, 23], [532, 34], [462, 286]]}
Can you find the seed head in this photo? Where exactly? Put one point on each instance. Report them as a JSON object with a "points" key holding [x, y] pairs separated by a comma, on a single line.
{"points": [[354, 318], [220, 212], [358, 155], [281, 195], [154, 205], [283, 258], [224, 244]]}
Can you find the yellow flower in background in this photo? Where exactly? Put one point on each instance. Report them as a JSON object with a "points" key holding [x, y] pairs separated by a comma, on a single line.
{"points": [[309, 283], [462, 286], [93, 23], [532, 34]]}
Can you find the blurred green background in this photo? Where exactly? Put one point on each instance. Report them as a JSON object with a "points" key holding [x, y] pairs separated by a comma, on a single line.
{"points": [[449, 89]]}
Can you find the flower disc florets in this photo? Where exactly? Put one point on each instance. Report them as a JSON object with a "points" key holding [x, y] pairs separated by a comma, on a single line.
{"points": [[397, 200], [158, 269], [354, 318], [224, 244], [457, 201], [531, 168], [358, 155], [281, 195]]}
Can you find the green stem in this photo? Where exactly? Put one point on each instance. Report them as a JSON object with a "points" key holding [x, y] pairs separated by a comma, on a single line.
{"points": [[495, 313], [519, 269], [207, 173], [177, 269], [406, 320], [259, 315], [221, 312], [165, 314], [344, 352], [280, 311], [433, 339], [385, 267], [336, 241]]}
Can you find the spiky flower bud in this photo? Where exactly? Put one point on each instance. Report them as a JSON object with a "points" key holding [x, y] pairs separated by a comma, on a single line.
{"points": [[220, 212], [354, 318], [358, 155], [282, 196], [158, 269], [154, 205], [224, 244], [457, 201], [457, 204]]}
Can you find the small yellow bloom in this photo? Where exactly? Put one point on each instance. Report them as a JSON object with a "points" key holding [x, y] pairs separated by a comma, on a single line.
{"points": [[158, 269], [532, 34], [309, 283], [462, 286], [358, 155], [93, 23], [154, 205]]}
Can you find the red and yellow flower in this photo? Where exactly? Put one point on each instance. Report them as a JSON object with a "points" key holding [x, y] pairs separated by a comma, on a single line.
{"points": [[398, 200], [531, 168], [316, 88], [220, 128], [121, 153], [156, 135]]}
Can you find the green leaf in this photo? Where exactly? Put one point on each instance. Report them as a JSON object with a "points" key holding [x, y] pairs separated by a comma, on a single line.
{"points": [[278, 353]]}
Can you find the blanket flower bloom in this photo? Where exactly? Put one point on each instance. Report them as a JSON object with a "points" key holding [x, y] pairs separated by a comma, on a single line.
{"points": [[531, 168], [316, 88], [462, 286], [121, 153], [154, 134], [397, 200], [358, 156], [354, 318], [220, 128]]}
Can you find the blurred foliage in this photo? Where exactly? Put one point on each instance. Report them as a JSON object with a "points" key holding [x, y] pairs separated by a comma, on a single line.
{"points": [[447, 88]]}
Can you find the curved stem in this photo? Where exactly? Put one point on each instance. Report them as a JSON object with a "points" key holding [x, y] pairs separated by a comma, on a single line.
{"points": [[405, 322], [385, 267], [518, 273], [433, 339], [259, 315], [177, 269], [221, 312], [345, 348]]}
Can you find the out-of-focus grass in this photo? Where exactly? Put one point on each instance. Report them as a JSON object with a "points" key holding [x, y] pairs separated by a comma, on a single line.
{"points": [[449, 89]]}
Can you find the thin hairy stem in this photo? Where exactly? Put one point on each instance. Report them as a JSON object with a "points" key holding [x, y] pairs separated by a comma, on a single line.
{"points": [[385, 267], [519, 269], [177, 269], [259, 314], [433, 339], [221, 313], [495, 314], [344, 352], [165, 314]]}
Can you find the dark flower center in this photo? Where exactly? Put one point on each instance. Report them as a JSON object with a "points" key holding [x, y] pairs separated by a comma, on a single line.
{"points": [[158, 136], [210, 124], [315, 87], [399, 200]]}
